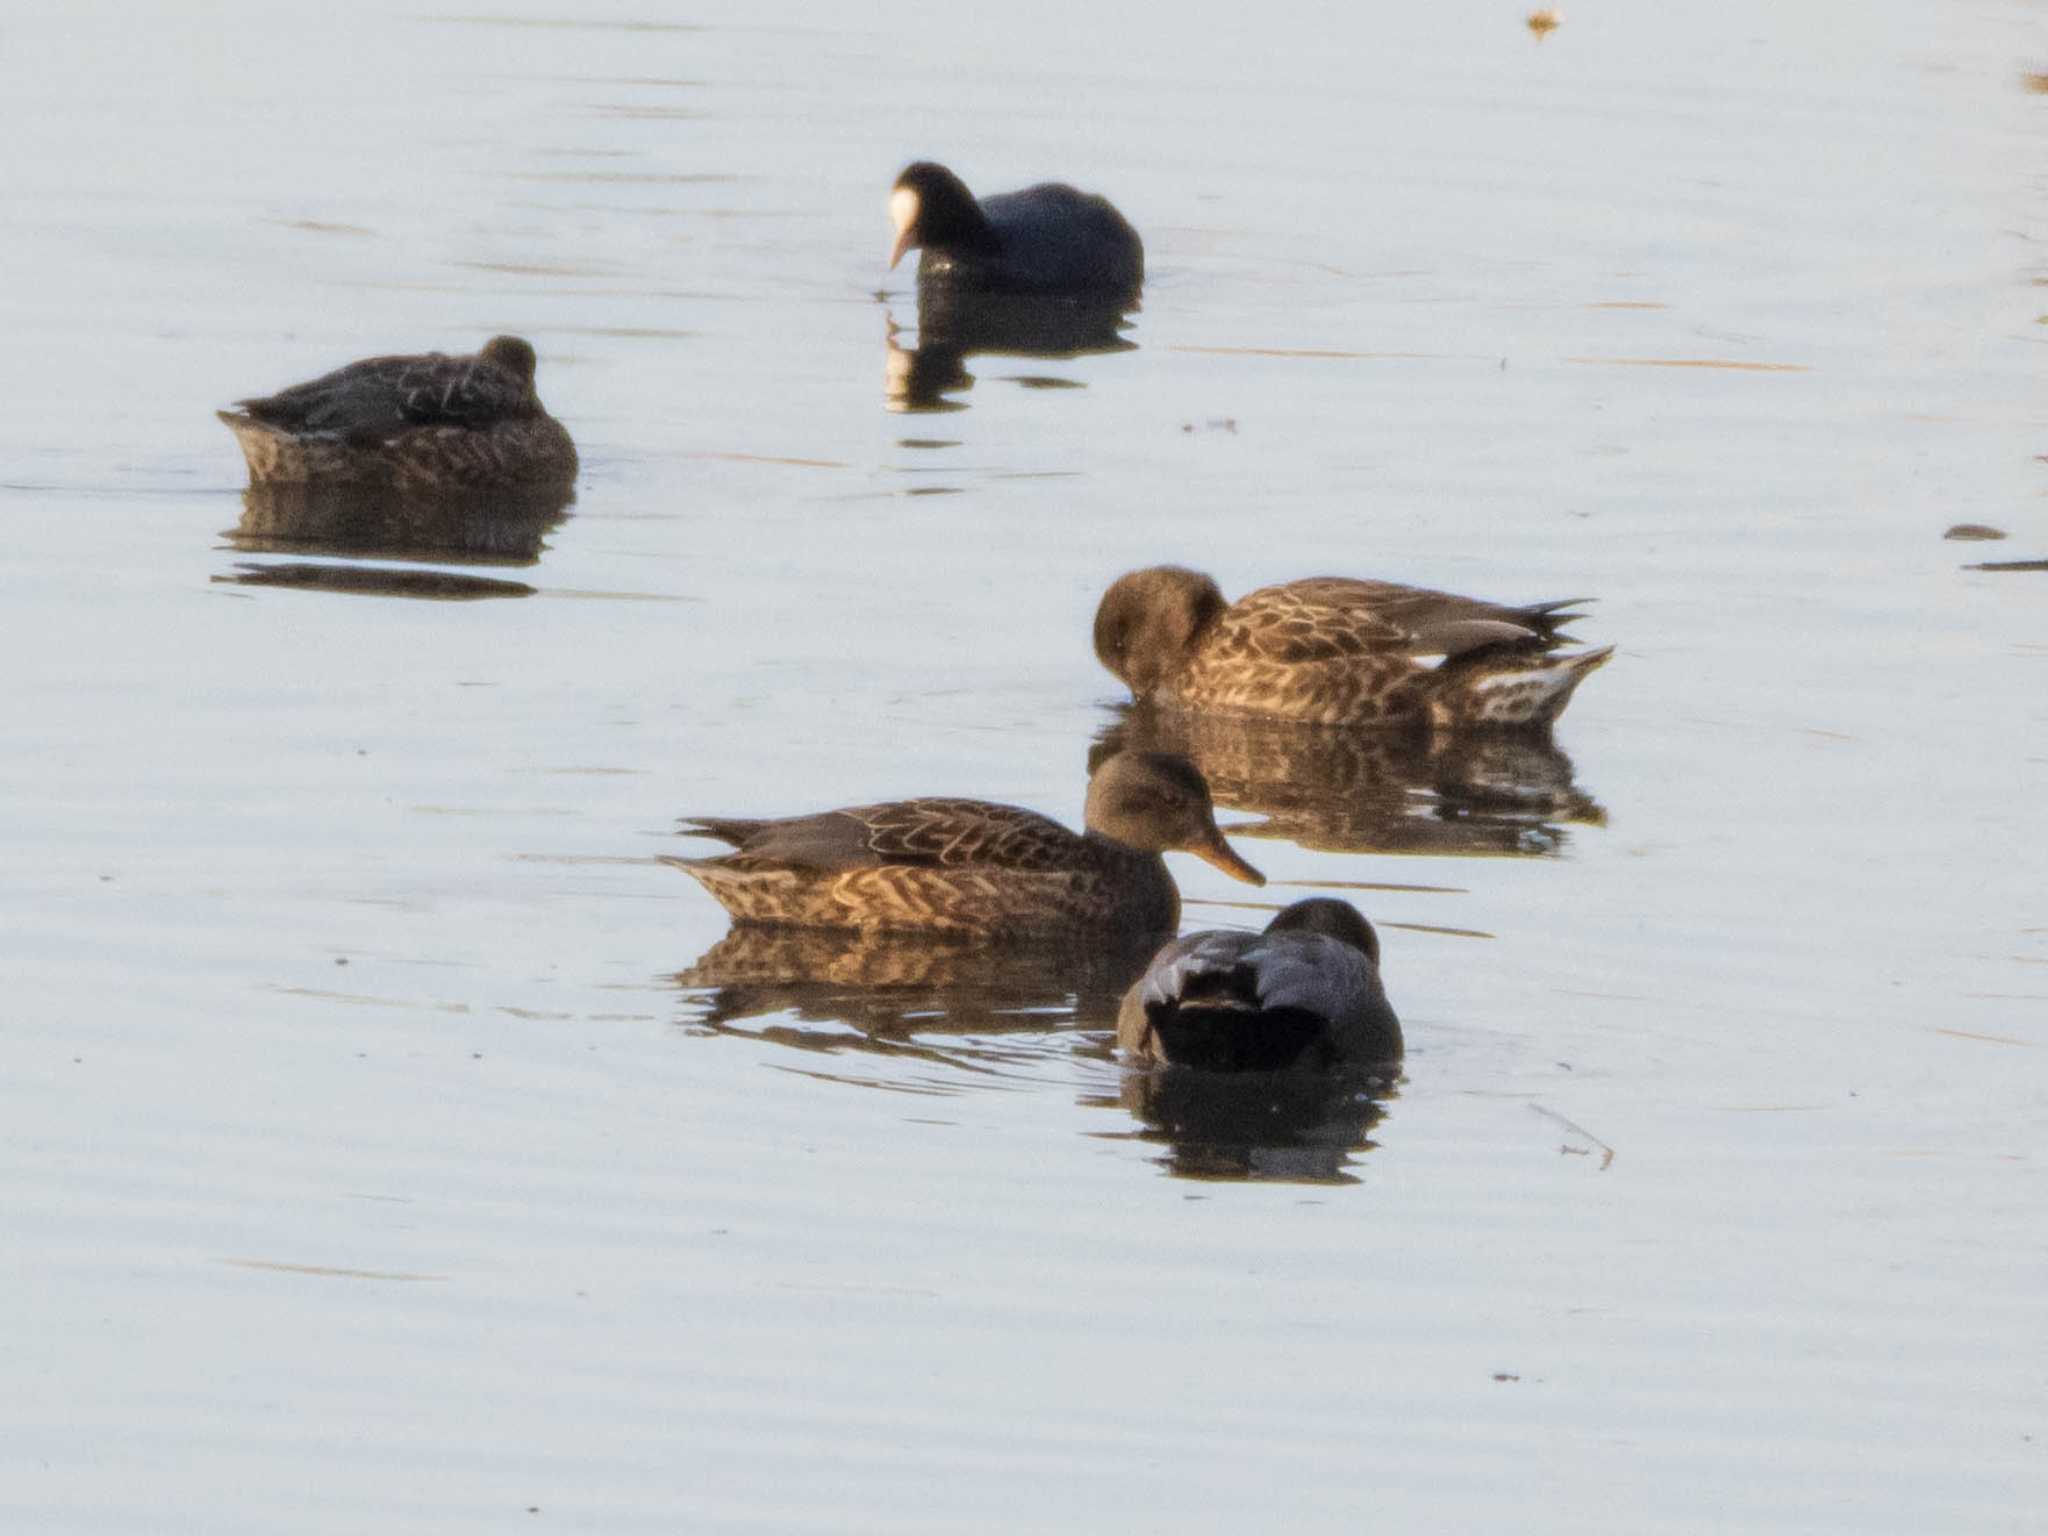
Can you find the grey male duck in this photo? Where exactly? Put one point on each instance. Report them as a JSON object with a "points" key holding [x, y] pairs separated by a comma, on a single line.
{"points": [[1306, 992]]}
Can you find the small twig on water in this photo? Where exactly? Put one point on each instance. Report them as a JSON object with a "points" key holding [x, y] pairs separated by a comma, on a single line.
{"points": [[1606, 1152]]}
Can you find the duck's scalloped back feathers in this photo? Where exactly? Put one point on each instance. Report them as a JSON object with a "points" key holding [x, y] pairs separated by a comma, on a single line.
{"points": [[383, 395], [937, 831]]}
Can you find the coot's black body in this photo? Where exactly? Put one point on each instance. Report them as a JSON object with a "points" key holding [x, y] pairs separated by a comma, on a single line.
{"points": [[1047, 239]]}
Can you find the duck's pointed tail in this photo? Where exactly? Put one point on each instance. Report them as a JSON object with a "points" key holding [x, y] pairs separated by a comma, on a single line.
{"points": [[1507, 690]]}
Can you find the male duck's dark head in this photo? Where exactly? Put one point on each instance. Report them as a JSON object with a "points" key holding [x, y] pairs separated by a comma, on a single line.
{"points": [[1336, 919], [932, 208]]}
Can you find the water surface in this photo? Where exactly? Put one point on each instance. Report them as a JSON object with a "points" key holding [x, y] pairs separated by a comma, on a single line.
{"points": [[379, 1150]]}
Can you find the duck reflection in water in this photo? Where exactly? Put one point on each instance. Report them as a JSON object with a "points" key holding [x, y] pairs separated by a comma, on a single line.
{"points": [[817, 984], [1372, 791], [954, 325], [1262, 1055], [495, 527], [1282, 1127]]}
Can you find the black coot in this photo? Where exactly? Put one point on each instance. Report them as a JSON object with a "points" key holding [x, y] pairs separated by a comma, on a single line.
{"points": [[1048, 239]]}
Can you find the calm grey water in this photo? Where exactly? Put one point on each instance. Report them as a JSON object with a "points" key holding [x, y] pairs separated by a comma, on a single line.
{"points": [[380, 1144]]}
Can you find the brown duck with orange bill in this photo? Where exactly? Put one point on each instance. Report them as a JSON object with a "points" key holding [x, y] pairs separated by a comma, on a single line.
{"points": [[1335, 651], [968, 866]]}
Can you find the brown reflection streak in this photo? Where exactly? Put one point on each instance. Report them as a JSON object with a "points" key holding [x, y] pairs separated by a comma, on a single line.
{"points": [[359, 1000], [588, 595], [566, 24], [534, 269], [1971, 1034], [325, 1270], [1306, 352], [770, 458], [1455, 933], [645, 114], [581, 858], [438, 586], [1691, 362], [623, 178], [628, 332], [320, 227], [1369, 885]]}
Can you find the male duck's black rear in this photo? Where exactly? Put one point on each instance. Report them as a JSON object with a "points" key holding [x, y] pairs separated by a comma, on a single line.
{"points": [[1048, 239], [1306, 992]]}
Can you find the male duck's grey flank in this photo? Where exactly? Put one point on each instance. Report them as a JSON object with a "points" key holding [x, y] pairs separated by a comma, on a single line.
{"points": [[1306, 992], [968, 866], [1331, 650], [422, 423]]}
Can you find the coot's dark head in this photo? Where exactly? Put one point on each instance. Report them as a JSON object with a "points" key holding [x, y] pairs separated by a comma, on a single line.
{"points": [[931, 207], [1326, 915]]}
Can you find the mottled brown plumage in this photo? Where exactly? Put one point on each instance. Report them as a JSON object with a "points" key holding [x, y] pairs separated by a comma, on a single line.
{"points": [[1330, 650], [431, 422], [967, 866]]}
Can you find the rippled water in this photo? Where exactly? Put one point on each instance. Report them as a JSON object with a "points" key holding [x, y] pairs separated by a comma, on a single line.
{"points": [[389, 1142]]}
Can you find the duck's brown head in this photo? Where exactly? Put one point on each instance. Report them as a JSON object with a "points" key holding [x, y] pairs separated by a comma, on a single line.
{"points": [[1158, 802], [1149, 622]]}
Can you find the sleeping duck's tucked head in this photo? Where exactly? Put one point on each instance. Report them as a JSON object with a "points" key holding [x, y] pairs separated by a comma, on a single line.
{"points": [[931, 207], [1336, 919], [1148, 622], [514, 354]]}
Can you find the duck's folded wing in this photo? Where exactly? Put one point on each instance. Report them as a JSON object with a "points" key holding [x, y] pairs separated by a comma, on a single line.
{"points": [[383, 394], [1429, 622], [932, 833], [1313, 973], [1204, 969]]}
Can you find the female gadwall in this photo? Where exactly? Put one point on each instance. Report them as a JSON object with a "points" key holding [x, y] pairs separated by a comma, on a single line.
{"points": [[1305, 992], [1333, 651], [427, 423], [966, 866]]}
